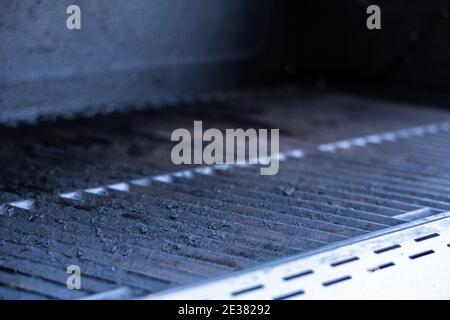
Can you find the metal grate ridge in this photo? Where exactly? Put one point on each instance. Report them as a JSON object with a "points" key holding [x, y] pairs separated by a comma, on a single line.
{"points": [[124, 186]]}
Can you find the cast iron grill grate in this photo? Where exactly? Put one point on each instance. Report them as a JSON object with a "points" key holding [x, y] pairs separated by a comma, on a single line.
{"points": [[145, 230]]}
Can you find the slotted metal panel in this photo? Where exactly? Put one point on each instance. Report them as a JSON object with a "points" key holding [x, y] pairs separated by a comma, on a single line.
{"points": [[407, 262]]}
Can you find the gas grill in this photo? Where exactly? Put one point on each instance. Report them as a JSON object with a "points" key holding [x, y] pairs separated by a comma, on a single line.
{"points": [[359, 208]]}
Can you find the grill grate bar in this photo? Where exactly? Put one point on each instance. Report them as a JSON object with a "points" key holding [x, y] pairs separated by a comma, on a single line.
{"points": [[301, 198]]}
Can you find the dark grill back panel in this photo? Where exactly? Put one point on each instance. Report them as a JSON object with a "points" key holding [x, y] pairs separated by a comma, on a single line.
{"points": [[127, 54]]}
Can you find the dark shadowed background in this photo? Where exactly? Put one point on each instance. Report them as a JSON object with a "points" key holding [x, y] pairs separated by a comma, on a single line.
{"points": [[162, 52]]}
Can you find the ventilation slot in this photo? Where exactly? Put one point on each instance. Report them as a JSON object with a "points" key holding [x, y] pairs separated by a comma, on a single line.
{"points": [[386, 249], [290, 295], [430, 236], [336, 281], [339, 263], [381, 267], [298, 275], [421, 254], [247, 290]]}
